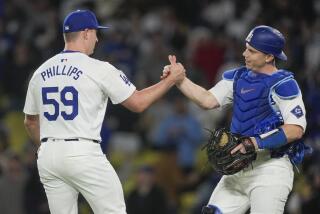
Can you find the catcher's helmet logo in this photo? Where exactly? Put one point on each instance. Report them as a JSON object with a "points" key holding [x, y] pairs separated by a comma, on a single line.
{"points": [[249, 37]]}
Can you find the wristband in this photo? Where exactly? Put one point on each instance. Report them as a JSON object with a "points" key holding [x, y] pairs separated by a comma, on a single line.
{"points": [[273, 141]]}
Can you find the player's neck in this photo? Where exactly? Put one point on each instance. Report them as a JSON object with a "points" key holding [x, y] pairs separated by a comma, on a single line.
{"points": [[73, 46], [268, 69]]}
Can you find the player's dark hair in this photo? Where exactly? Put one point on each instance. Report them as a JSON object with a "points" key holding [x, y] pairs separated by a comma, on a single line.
{"points": [[69, 37]]}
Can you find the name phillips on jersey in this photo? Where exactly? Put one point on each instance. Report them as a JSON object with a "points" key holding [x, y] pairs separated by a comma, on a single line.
{"points": [[55, 70]]}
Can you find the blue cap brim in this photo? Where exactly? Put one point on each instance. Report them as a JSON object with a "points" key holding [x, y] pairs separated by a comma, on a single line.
{"points": [[103, 27], [282, 56]]}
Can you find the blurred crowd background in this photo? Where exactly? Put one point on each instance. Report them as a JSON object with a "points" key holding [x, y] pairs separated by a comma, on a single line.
{"points": [[157, 154]]}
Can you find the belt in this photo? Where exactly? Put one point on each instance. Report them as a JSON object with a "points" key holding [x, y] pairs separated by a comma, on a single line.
{"points": [[43, 140]]}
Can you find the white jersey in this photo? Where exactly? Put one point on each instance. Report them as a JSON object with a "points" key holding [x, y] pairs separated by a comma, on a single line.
{"points": [[223, 92], [70, 93]]}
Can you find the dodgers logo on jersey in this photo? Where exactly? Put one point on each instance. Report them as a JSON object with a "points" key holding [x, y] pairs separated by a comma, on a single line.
{"points": [[125, 79], [297, 111]]}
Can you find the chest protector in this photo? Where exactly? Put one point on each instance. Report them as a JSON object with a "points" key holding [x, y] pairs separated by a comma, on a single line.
{"points": [[254, 112]]}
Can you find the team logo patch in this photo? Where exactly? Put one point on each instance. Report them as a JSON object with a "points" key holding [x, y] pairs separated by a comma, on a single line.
{"points": [[297, 111], [125, 79]]}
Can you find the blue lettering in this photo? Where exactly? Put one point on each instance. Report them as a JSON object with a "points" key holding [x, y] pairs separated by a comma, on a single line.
{"points": [[78, 75], [74, 70], [63, 73], [68, 73], [49, 73], [125, 79], [57, 71], [43, 74], [53, 71]]}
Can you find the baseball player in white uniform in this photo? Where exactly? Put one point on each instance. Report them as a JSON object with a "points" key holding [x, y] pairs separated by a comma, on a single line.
{"points": [[65, 106], [268, 107]]}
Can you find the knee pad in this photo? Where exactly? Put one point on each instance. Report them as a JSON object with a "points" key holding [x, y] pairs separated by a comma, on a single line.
{"points": [[210, 209]]}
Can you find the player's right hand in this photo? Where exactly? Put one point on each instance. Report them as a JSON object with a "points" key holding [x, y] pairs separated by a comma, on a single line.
{"points": [[174, 71], [165, 72]]}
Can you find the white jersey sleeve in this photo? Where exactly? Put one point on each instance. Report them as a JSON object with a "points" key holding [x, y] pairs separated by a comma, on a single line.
{"points": [[292, 110], [32, 99], [223, 92], [115, 84]]}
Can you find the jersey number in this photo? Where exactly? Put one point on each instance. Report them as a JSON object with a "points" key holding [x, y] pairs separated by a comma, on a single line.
{"points": [[73, 102]]}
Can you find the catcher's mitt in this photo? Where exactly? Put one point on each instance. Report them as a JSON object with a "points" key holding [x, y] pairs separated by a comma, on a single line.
{"points": [[219, 149]]}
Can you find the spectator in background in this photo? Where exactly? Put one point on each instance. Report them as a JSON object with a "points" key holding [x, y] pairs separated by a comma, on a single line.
{"points": [[147, 197], [17, 71], [12, 184], [4, 141], [312, 205], [207, 48], [180, 132], [35, 200]]}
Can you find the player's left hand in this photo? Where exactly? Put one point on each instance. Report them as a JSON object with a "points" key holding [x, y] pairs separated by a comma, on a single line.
{"points": [[246, 143], [220, 146]]}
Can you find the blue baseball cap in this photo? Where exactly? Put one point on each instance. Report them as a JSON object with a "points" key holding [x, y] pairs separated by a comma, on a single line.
{"points": [[79, 20]]}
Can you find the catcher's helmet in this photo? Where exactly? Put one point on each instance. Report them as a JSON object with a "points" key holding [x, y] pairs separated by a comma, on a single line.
{"points": [[267, 40]]}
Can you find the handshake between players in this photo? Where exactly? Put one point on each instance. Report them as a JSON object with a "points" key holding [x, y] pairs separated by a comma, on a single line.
{"points": [[174, 71]]}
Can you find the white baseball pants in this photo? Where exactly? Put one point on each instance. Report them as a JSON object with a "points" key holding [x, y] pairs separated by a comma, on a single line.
{"points": [[264, 188], [69, 167]]}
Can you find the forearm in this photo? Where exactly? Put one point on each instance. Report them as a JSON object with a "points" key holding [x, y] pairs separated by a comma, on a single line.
{"points": [[150, 94], [292, 132], [198, 94], [33, 129], [141, 100], [287, 133]]}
